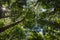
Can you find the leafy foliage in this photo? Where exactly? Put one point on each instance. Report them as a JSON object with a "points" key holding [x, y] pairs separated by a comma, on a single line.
{"points": [[40, 20]]}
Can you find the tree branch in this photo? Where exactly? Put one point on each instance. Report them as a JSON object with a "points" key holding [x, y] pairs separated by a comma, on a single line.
{"points": [[4, 17], [36, 2], [43, 22], [9, 26]]}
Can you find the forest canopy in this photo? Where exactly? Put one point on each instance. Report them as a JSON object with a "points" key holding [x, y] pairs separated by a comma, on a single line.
{"points": [[29, 19]]}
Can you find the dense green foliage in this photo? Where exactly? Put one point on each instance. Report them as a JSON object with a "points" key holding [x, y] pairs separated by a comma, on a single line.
{"points": [[29, 19]]}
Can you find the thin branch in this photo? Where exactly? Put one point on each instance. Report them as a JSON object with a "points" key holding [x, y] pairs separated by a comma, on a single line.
{"points": [[4, 17]]}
